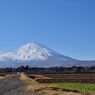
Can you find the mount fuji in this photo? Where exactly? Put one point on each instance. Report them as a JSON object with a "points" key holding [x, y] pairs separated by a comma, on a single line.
{"points": [[37, 55]]}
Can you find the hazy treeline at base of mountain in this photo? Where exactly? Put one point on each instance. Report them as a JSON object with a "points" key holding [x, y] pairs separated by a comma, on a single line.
{"points": [[55, 70]]}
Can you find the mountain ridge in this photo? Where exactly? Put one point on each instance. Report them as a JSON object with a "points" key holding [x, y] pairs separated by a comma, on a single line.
{"points": [[37, 55]]}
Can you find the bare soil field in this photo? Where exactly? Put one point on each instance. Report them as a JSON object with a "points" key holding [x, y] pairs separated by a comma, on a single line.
{"points": [[71, 76], [68, 78]]}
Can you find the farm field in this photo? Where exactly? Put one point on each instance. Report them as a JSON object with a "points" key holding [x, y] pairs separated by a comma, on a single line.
{"points": [[54, 83], [20, 84], [83, 83], [88, 88], [66, 78], [71, 76]]}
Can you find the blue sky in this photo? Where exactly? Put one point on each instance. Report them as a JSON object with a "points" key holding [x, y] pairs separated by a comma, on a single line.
{"points": [[67, 26]]}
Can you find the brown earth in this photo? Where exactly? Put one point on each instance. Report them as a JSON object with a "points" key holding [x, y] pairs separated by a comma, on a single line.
{"points": [[67, 78], [71, 76]]}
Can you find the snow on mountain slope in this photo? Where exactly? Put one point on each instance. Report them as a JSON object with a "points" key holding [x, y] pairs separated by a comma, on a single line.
{"points": [[31, 51], [36, 55]]}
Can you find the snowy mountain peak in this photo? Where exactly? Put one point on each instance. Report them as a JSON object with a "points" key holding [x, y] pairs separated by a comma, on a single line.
{"points": [[33, 51], [30, 46]]}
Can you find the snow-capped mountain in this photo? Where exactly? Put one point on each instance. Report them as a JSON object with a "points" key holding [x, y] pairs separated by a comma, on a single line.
{"points": [[37, 55]]}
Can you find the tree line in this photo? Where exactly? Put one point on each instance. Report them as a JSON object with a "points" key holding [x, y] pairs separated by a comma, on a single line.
{"points": [[56, 70]]}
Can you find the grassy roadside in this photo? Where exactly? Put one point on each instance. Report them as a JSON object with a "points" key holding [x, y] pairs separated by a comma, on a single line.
{"points": [[75, 86]]}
